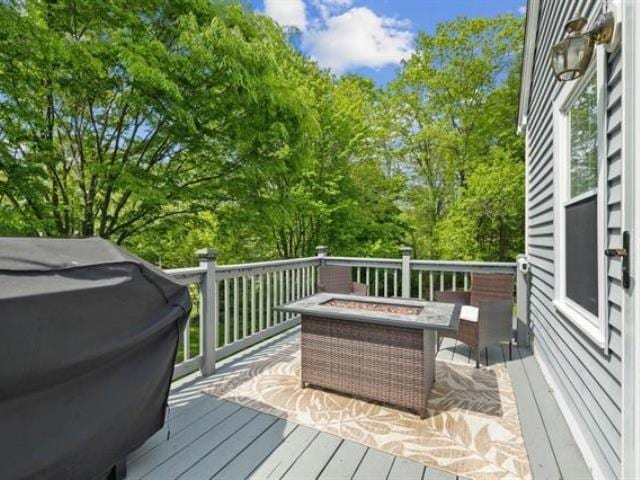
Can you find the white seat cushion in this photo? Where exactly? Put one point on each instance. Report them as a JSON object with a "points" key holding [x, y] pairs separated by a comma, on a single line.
{"points": [[469, 313]]}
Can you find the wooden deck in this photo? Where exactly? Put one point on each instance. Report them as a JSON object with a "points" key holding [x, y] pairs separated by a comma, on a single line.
{"points": [[206, 437]]}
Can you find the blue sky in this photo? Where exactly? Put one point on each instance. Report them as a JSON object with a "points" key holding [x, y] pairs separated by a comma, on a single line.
{"points": [[371, 37]]}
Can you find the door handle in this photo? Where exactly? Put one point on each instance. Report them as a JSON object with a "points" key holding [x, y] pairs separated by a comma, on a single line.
{"points": [[624, 254]]}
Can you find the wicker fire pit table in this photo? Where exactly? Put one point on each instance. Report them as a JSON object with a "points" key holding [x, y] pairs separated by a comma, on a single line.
{"points": [[375, 348]]}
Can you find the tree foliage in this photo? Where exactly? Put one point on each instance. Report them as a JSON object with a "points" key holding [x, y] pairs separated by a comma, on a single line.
{"points": [[171, 125], [454, 109], [116, 115]]}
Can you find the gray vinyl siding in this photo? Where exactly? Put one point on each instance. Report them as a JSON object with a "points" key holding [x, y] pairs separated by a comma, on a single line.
{"points": [[588, 379]]}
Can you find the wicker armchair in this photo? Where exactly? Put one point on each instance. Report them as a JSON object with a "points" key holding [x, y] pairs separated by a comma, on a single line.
{"points": [[486, 317], [337, 279]]}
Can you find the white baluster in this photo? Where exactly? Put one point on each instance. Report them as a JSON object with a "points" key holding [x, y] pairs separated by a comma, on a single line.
{"points": [[227, 326], [385, 282], [244, 307], [268, 300], [395, 282], [253, 304], [236, 322], [368, 282], [375, 281], [261, 303], [431, 286], [304, 281], [186, 343]]}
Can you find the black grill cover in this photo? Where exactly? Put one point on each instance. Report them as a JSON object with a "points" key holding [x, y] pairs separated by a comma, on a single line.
{"points": [[88, 339]]}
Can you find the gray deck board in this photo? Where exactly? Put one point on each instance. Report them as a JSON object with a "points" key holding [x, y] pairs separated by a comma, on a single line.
{"points": [[446, 350], [177, 420], [432, 474], [312, 461], [375, 465], [562, 444], [541, 457], [285, 455], [225, 452], [496, 355], [344, 462], [177, 463], [176, 444], [210, 437], [403, 469], [247, 460]]}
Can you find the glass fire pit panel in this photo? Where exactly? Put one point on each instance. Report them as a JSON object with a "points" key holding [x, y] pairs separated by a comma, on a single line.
{"points": [[373, 307]]}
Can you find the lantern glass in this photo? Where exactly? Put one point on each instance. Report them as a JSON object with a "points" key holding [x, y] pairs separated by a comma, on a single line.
{"points": [[570, 57]]}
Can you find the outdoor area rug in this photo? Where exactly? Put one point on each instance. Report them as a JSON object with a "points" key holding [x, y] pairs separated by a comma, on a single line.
{"points": [[472, 428]]}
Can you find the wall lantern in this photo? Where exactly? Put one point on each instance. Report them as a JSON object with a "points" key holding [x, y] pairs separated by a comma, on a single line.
{"points": [[570, 57]]}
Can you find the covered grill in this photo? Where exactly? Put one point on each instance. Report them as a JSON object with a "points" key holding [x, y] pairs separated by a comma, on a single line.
{"points": [[88, 339]]}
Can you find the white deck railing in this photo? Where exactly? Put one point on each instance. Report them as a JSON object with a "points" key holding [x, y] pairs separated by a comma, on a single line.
{"points": [[233, 304]]}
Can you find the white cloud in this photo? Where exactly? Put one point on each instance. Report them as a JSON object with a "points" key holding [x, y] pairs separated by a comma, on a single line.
{"points": [[288, 13], [522, 9], [358, 38], [326, 8], [337, 3]]}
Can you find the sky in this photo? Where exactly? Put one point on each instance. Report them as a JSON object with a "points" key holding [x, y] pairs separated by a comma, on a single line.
{"points": [[371, 37]]}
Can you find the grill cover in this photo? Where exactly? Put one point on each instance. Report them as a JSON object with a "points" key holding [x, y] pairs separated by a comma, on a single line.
{"points": [[88, 339]]}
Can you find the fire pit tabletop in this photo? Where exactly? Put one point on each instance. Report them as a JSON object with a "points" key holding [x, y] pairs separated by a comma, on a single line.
{"points": [[392, 311]]}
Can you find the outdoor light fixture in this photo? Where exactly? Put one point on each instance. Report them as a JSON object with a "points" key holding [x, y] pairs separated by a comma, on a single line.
{"points": [[570, 57]]}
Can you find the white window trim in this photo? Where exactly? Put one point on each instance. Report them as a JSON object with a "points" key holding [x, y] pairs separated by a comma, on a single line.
{"points": [[594, 327]]}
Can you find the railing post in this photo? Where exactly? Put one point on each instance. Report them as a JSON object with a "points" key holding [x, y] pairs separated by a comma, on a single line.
{"points": [[321, 251], [406, 271], [522, 301], [208, 310]]}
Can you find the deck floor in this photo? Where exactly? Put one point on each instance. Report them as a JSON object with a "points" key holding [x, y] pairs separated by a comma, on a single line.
{"points": [[207, 437]]}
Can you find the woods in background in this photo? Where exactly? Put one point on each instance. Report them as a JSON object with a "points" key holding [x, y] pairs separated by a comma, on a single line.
{"points": [[166, 126]]}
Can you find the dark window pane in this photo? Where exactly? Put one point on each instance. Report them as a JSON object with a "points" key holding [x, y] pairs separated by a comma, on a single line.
{"points": [[582, 253]]}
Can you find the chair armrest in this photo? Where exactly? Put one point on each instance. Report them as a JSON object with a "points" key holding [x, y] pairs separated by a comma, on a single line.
{"points": [[495, 322], [359, 289], [453, 297]]}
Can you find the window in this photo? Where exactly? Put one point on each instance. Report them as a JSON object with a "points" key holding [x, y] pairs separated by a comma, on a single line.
{"points": [[581, 226], [579, 208]]}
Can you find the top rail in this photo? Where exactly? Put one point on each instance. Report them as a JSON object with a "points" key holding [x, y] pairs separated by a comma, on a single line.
{"points": [[257, 268], [364, 262], [425, 265], [187, 276], [454, 266]]}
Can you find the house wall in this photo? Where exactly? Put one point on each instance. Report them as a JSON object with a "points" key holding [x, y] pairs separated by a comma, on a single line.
{"points": [[585, 377]]}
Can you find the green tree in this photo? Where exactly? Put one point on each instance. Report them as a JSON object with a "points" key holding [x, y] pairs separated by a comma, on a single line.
{"points": [[115, 116], [486, 221], [338, 194], [167, 125], [453, 102]]}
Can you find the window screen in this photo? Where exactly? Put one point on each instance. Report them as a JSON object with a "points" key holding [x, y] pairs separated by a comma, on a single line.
{"points": [[582, 253]]}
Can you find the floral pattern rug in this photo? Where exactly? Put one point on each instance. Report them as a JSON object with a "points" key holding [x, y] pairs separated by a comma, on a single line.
{"points": [[472, 429]]}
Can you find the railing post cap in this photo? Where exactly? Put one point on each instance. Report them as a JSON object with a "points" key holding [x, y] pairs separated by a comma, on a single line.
{"points": [[322, 250], [406, 251], [207, 254]]}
